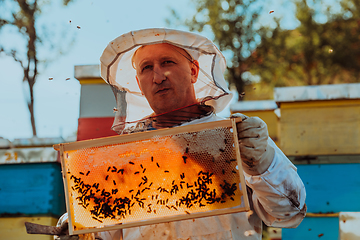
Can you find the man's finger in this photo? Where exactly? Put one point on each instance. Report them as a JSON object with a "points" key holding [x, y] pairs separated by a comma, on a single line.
{"points": [[250, 123], [250, 133]]}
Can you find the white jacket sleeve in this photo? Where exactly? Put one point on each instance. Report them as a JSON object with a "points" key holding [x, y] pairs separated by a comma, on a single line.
{"points": [[278, 194]]}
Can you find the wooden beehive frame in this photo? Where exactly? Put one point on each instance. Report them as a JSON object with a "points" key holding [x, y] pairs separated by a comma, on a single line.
{"points": [[148, 135]]}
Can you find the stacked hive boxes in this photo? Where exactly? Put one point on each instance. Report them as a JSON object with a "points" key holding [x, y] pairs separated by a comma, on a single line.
{"points": [[96, 104], [31, 187], [320, 132]]}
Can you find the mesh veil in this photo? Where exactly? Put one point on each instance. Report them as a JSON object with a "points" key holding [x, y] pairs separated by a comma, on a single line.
{"points": [[117, 70]]}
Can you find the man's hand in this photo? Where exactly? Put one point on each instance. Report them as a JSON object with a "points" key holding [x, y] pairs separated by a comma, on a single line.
{"points": [[256, 153]]}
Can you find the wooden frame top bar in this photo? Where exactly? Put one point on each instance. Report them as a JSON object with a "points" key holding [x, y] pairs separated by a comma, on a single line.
{"points": [[144, 135]]}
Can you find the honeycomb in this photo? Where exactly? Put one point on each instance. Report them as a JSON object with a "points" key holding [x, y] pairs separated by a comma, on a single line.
{"points": [[158, 177]]}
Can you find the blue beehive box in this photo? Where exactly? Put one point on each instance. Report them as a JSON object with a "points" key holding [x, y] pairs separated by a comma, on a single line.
{"points": [[31, 189], [330, 189], [320, 133]]}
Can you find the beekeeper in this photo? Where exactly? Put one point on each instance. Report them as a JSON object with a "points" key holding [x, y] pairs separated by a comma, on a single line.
{"points": [[166, 78]]}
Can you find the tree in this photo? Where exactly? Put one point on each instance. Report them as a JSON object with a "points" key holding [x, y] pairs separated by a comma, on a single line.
{"points": [[235, 29], [313, 53], [22, 15]]}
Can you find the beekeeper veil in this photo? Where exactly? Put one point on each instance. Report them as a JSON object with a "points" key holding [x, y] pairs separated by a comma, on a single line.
{"points": [[118, 71]]}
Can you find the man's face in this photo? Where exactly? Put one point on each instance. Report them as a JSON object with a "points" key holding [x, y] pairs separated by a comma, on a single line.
{"points": [[166, 76]]}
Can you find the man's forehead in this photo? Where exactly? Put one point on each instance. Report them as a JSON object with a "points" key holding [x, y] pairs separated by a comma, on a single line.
{"points": [[148, 52]]}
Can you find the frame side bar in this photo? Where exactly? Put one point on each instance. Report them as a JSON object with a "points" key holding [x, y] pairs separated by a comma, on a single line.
{"points": [[238, 158], [65, 181]]}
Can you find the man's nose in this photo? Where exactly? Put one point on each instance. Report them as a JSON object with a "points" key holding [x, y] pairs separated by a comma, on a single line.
{"points": [[159, 75]]}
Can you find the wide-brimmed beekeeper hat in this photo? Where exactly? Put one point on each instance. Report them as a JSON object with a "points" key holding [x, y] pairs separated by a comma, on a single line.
{"points": [[117, 70]]}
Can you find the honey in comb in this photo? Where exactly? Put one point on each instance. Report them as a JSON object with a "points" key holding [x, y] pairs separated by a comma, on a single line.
{"points": [[159, 177]]}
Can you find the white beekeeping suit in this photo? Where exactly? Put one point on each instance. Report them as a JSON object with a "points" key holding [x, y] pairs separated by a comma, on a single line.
{"points": [[275, 191]]}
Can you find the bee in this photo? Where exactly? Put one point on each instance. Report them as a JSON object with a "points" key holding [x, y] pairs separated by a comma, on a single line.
{"points": [[78, 27], [271, 11], [50, 78]]}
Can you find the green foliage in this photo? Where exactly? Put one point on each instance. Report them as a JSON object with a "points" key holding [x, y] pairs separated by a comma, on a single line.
{"points": [[313, 53], [233, 23]]}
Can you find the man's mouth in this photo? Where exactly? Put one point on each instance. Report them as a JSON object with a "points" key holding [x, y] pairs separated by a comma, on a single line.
{"points": [[162, 90]]}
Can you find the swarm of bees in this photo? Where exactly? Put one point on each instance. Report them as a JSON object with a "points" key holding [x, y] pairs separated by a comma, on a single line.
{"points": [[106, 204]]}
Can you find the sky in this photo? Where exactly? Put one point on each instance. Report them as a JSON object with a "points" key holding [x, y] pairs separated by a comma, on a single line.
{"points": [[93, 24]]}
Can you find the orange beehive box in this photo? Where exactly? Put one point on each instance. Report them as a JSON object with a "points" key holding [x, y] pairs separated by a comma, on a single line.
{"points": [[153, 177]]}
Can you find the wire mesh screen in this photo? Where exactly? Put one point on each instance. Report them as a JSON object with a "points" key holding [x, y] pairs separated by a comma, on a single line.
{"points": [[156, 178]]}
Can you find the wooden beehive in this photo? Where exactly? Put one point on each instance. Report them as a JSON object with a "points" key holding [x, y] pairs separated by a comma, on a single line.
{"points": [[31, 189], [152, 177], [14, 228], [319, 120], [96, 100]]}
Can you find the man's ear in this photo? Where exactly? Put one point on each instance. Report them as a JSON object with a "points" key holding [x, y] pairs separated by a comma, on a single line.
{"points": [[194, 71], [138, 82]]}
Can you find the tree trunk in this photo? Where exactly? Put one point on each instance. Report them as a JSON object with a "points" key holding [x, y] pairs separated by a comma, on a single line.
{"points": [[31, 109], [237, 79]]}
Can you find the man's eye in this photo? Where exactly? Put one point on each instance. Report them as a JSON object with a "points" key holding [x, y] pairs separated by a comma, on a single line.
{"points": [[168, 62], [146, 67]]}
